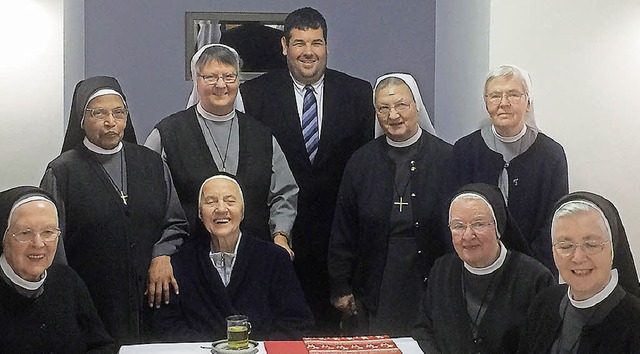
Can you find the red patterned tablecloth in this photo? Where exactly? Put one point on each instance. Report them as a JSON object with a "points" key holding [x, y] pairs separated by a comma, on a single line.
{"points": [[346, 345]]}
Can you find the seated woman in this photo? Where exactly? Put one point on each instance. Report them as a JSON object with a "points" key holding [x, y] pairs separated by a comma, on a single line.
{"points": [[43, 307], [597, 310], [227, 272], [477, 298]]}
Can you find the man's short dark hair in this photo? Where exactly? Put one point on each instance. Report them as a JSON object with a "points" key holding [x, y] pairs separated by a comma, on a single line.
{"points": [[303, 19]]}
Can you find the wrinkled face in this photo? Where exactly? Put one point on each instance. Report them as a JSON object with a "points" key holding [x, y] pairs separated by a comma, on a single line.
{"points": [[401, 121], [306, 54], [507, 114], [220, 97], [585, 274], [108, 132], [477, 244], [221, 208], [30, 260]]}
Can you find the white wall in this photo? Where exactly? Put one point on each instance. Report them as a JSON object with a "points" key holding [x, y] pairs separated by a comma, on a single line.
{"points": [[31, 89], [584, 58], [32, 94]]}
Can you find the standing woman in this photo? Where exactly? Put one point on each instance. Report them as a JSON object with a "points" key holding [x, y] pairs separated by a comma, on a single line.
{"points": [[511, 152], [43, 307], [122, 217], [388, 224], [212, 136], [597, 310]]}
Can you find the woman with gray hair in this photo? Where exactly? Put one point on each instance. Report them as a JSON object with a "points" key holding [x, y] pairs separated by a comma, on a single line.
{"points": [[212, 136], [597, 310], [511, 152]]}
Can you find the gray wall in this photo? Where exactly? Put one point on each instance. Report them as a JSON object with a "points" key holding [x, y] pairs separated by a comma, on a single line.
{"points": [[462, 61], [142, 44]]}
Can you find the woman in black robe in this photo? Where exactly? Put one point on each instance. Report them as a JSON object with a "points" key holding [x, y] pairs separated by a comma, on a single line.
{"points": [[43, 307], [597, 310], [477, 297]]}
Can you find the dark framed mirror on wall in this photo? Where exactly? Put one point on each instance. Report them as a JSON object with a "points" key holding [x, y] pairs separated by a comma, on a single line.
{"points": [[255, 35]]}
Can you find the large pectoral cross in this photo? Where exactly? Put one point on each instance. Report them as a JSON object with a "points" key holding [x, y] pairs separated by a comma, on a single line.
{"points": [[400, 203]]}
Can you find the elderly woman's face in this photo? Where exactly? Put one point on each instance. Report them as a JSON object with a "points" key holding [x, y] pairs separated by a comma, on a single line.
{"points": [[507, 113], [585, 274], [217, 98], [473, 232], [105, 130], [396, 112], [30, 259], [221, 208]]}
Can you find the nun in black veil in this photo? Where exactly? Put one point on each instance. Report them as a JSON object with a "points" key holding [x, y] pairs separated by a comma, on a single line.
{"points": [[477, 298], [121, 215], [44, 307], [597, 310]]}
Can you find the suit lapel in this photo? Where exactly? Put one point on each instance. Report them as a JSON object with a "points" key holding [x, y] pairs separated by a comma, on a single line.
{"points": [[331, 101]]}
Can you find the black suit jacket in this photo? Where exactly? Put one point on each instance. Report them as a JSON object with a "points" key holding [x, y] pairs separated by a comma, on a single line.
{"points": [[347, 123]]}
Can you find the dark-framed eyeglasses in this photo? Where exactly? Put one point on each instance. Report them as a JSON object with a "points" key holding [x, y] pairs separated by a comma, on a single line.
{"points": [[458, 228], [28, 235], [512, 96], [103, 113], [398, 107], [213, 79], [590, 247]]}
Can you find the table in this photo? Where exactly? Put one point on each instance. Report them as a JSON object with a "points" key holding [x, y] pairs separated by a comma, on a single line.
{"points": [[406, 345]]}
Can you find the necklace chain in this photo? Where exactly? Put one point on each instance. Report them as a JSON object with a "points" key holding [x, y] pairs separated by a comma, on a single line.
{"points": [[226, 152], [123, 193], [483, 303]]}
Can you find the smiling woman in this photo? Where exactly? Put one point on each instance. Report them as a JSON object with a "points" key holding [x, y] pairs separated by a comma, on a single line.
{"points": [[477, 298], [597, 310], [44, 307]]}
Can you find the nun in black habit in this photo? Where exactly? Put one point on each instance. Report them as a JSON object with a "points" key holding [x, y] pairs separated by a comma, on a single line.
{"points": [[43, 307], [597, 310], [121, 216], [477, 298], [388, 224]]}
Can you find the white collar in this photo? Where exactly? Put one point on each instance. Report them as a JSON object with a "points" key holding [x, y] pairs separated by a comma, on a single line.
{"points": [[509, 139], [300, 86], [493, 266], [598, 297], [214, 117], [412, 140], [98, 150], [16, 279]]}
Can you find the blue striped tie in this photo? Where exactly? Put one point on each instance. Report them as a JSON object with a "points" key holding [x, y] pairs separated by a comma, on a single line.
{"points": [[310, 122]]}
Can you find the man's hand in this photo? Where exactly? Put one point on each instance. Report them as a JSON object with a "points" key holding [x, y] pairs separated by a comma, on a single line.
{"points": [[281, 240], [160, 276], [346, 304]]}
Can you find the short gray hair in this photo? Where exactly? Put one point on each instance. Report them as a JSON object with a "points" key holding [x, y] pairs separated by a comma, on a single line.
{"points": [[221, 55], [507, 71]]}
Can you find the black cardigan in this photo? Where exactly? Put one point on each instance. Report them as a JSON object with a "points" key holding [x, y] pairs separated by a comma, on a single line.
{"points": [[61, 320], [444, 322], [619, 332], [537, 179], [263, 286], [360, 232]]}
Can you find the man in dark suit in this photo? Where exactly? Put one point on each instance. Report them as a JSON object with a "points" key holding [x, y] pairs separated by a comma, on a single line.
{"points": [[320, 117]]}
